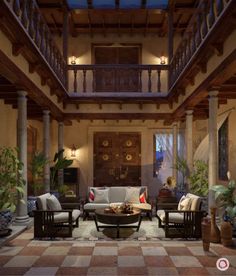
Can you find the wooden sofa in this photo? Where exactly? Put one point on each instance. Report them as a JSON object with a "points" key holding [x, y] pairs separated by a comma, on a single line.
{"points": [[50, 220], [185, 222]]}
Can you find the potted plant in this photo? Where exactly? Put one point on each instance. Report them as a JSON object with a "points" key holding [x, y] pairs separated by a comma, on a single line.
{"points": [[60, 163], [11, 186], [198, 181], [36, 168], [225, 196]]}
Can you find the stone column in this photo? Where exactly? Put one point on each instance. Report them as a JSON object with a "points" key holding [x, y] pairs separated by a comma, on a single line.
{"points": [[46, 148], [213, 144], [189, 139], [21, 210], [60, 147], [175, 149]]}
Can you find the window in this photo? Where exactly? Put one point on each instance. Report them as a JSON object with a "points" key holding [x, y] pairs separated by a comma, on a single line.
{"points": [[223, 150], [163, 156]]}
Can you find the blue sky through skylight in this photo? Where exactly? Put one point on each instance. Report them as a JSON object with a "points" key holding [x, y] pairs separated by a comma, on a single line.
{"points": [[124, 4]]}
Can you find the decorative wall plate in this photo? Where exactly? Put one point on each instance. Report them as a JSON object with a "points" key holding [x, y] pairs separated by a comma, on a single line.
{"points": [[128, 157], [129, 143], [105, 143], [105, 157]]}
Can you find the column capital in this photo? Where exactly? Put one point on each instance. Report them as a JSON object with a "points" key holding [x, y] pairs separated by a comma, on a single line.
{"points": [[175, 124], [46, 112], [213, 93], [61, 123], [189, 112], [22, 93]]}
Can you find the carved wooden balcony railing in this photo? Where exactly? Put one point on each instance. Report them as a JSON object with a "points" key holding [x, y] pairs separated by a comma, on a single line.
{"points": [[118, 78], [29, 17], [203, 23]]}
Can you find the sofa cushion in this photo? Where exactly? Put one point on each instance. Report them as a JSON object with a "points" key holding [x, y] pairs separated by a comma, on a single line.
{"points": [[173, 217], [132, 194], [64, 216], [101, 196], [53, 203], [117, 194], [41, 201], [93, 206]]}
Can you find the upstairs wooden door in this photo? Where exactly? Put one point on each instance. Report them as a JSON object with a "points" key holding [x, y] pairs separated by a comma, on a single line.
{"points": [[117, 159], [117, 80]]}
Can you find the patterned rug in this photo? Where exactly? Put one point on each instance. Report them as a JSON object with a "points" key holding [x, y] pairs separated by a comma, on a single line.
{"points": [[148, 231]]}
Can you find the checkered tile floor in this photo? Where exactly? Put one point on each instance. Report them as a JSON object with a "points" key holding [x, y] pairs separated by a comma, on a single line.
{"points": [[25, 256]]}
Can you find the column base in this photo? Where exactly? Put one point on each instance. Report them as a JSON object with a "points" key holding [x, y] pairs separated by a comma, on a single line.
{"points": [[23, 220]]}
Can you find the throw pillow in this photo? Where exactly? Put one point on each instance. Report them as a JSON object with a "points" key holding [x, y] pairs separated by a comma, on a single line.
{"points": [[185, 204], [53, 203], [143, 195], [181, 199], [132, 195], [91, 195], [101, 196]]}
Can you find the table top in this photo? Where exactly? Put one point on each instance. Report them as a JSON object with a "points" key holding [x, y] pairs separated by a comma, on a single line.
{"points": [[102, 212]]}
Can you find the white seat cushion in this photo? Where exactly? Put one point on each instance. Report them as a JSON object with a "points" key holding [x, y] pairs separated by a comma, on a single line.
{"points": [[64, 216], [94, 206], [173, 217]]}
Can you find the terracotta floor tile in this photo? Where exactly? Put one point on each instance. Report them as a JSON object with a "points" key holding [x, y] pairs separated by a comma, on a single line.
{"points": [[75, 250], [192, 271], [72, 271], [103, 261], [56, 250], [155, 271], [4, 259], [21, 261], [106, 243], [148, 244], [177, 251], [185, 261], [214, 271], [129, 251], [105, 251], [222, 251], [97, 270], [132, 271], [41, 271], [13, 270], [208, 261], [49, 261], [131, 261], [159, 261], [18, 242], [32, 251], [61, 243]]}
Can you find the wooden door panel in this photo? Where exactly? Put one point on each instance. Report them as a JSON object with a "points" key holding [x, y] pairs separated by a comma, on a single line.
{"points": [[117, 159]]}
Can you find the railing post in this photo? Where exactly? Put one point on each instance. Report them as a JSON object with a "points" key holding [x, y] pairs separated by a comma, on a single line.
{"points": [[204, 19], [16, 7], [75, 80], [140, 80], [84, 81], [24, 16], [158, 80], [211, 18], [94, 79], [31, 20], [149, 80]]}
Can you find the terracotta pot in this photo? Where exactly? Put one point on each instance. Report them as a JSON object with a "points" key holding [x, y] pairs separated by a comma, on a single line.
{"points": [[226, 233], [206, 233], [215, 231]]}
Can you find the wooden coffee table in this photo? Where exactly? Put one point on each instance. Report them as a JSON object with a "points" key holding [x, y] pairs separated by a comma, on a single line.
{"points": [[117, 220]]}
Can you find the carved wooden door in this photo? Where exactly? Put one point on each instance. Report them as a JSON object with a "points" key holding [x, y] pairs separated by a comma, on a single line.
{"points": [[117, 158], [115, 79]]}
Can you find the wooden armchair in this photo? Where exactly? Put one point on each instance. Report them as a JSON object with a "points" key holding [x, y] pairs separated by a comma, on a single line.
{"points": [[50, 220], [185, 222]]}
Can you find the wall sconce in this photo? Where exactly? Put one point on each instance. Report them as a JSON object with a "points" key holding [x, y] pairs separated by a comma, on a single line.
{"points": [[73, 151], [162, 60], [73, 60]]}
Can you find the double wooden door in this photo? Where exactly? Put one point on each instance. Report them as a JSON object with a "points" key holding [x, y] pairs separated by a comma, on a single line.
{"points": [[117, 79], [117, 159]]}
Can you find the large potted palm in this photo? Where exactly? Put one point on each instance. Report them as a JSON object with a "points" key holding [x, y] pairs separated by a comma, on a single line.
{"points": [[11, 186]]}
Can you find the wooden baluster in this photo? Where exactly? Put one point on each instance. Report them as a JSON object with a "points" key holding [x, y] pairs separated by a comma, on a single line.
{"points": [[211, 18], [31, 19], [198, 31], [140, 81], [219, 6], [189, 48], [47, 56], [193, 40], [149, 80], [37, 31], [24, 15], [16, 7], [42, 44], [94, 79], [204, 19], [158, 80], [185, 54], [84, 81], [75, 80]]}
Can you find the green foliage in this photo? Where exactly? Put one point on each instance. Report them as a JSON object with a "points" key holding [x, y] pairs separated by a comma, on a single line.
{"points": [[199, 178], [182, 167], [36, 168], [60, 163], [11, 180], [225, 197]]}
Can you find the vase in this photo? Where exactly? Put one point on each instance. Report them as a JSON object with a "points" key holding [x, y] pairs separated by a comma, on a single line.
{"points": [[5, 220], [206, 233], [226, 233], [215, 231]]}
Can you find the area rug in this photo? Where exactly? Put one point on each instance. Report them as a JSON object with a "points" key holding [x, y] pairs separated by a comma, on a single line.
{"points": [[148, 231]]}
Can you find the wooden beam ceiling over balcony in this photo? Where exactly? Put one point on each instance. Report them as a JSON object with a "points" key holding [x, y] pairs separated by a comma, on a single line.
{"points": [[118, 20]]}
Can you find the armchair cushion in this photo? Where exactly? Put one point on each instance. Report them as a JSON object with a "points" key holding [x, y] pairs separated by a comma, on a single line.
{"points": [[64, 216], [53, 203], [42, 201], [195, 202], [184, 203], [173, 217]]}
